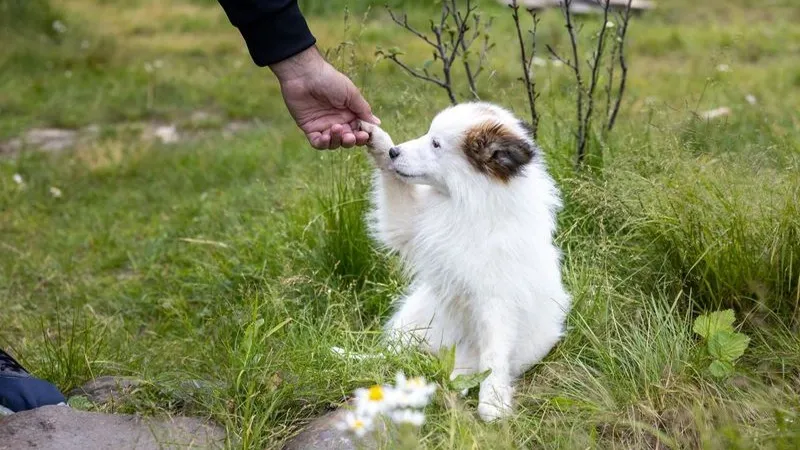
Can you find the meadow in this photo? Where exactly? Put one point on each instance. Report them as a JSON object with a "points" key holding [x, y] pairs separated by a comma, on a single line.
{"points": [[240, 259]]}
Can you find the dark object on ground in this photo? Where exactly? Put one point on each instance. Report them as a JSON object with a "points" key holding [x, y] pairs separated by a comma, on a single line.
{"points": [[20, 391], [64, 428]]}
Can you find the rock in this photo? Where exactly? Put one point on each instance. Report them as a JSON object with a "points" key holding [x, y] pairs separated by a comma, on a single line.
{"points": [[47, 139], [63, 428], [167, 134], [234, 127], [323, 434], [106, 389]]}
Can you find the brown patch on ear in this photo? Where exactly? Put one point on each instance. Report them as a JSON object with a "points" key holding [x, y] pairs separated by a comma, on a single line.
{"points": [[495, 150]]}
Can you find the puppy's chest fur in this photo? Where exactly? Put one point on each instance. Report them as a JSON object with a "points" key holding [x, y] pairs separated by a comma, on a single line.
{"points": [[461, 251]]}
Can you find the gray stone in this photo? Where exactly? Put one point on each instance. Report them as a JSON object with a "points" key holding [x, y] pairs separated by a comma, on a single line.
{"points": [[323, 433], [47, 139], [106, 389], [167, 134], [63, 428], [234, 127]]}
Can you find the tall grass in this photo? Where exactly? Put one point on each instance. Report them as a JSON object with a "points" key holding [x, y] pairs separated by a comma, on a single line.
{"points": [[727, 249]]}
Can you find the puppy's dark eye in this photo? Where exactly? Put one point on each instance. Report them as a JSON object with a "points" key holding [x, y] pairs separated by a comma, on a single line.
{"points": [[436, 144]]}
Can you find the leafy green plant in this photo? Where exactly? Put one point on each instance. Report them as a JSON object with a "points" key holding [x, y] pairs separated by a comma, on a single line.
{"points": [[723, 344], [460, 382]]}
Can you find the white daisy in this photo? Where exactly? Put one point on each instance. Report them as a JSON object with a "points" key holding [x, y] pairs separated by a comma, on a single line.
{"points": [[55, 192], [412, 416], [356, 423], [374, 400], [18, 179], [413, 392]]}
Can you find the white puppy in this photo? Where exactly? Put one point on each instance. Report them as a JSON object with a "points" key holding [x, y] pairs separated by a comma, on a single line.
{"points": [[470, 209]]}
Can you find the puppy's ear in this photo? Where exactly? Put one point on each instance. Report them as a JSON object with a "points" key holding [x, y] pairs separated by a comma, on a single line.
{"points": [[496, 150]]}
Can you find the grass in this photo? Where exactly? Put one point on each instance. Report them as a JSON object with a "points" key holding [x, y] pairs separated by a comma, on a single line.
{"points": [[239, 261]]}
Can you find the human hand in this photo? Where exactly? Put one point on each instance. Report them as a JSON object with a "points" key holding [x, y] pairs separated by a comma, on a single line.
{"points": [[324, 103]]}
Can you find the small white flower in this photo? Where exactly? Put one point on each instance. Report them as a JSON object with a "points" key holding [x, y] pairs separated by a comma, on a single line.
{"points": [[55, 192], [374, 400], [148, 67], [412, 392], [356, 423], [18, 179], [557, 63], [157, 64], [723, 68], [414, 417], [59, 27], [610, 24], [751, 99]]}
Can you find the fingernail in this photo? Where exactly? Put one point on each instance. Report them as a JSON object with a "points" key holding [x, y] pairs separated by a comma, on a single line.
{"points": [[376, 120]]}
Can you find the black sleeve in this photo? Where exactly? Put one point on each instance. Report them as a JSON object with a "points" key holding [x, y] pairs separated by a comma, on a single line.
{"points": [[273, 29]]}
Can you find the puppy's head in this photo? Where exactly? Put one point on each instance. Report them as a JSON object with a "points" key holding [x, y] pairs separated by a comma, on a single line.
{"points": [[465, 141]]}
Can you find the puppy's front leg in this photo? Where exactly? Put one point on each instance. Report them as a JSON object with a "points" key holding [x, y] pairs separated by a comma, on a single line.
{"points": [[394, 201], [497, 334], [378, 145]]}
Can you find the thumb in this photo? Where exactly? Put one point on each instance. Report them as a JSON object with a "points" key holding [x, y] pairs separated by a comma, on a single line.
{"points": [[359, 106]]}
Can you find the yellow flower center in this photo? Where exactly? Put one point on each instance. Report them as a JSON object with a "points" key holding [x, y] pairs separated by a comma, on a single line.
{"points": [[375, 393], [358, 424]]}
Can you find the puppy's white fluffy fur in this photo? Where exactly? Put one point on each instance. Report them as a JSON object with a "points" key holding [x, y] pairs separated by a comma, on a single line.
{"points": [[473, 220]]}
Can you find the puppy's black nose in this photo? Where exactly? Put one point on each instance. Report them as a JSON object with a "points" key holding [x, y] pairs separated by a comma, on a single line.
{"points": [[394, 152]]}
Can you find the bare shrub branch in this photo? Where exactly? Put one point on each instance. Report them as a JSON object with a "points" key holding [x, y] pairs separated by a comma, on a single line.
{"points": [[620, 38], [586, 88], [527, 63], [574, 64], [451, 38], [594, 64]]}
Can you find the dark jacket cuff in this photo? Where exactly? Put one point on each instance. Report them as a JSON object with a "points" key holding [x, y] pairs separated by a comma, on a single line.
{"points": [[273, 37]]}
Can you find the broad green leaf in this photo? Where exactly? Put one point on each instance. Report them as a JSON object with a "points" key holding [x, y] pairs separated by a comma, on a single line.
{"points": [[708, 324], [447, 357], [469, 381], [727, 346], [720, 369]]}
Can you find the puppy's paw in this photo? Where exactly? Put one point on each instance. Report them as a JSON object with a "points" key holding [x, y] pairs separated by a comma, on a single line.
{"points": [[379, 141], [495, 402]]}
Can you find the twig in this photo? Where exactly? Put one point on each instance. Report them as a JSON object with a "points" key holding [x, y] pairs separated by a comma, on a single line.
{"points": [[487, 45], [462, 27], [404, 24], [530, 85], [594, 63], [623, 66], [610, 78], [555, 55], [417, 74], [450, 39], [573, 39]]}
